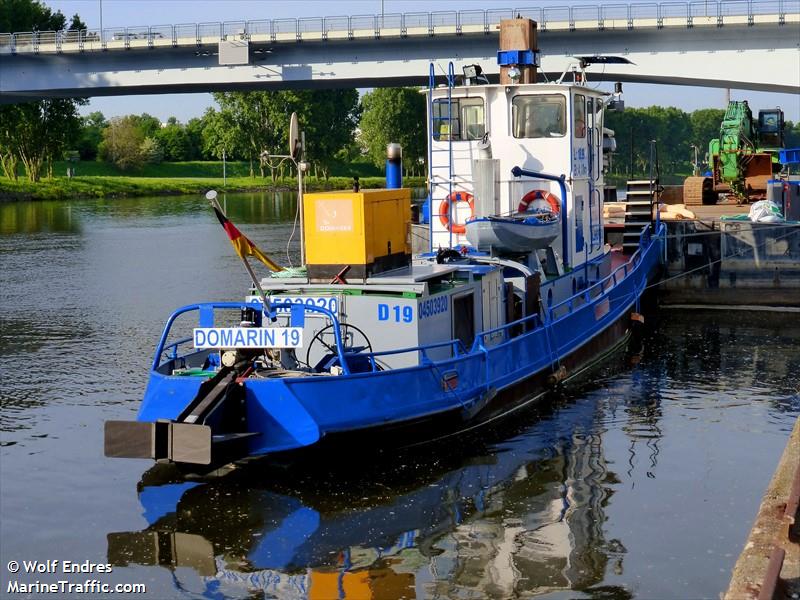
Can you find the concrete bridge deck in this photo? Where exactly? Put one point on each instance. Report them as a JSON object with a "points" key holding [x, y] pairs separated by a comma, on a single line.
{"points": [[742, 44], [370, 27]]}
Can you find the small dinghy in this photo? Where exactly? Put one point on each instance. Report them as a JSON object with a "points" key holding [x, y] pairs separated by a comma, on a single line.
{"points": [[519, 232]]}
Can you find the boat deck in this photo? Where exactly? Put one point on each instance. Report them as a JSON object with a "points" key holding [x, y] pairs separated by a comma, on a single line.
{"points": [[618, 258], [707, 213]]}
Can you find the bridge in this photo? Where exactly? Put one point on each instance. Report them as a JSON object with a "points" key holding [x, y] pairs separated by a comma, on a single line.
{"points": [[743, 44]]}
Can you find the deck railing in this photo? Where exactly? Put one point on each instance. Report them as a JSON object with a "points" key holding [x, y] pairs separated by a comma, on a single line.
{"points": [[714, 13], [207, 312], [602, 286]]}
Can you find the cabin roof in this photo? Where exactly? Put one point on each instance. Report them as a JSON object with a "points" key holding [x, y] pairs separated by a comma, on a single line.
{"points": [[460, 90]]}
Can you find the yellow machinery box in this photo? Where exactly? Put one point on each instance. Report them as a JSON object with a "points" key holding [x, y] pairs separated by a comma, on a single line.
{"points": [[367, 231]]}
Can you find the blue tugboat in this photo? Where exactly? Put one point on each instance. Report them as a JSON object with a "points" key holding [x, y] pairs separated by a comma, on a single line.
{"points": [[370, 338]]}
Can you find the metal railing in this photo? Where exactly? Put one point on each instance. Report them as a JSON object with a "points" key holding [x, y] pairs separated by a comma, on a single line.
{"points": [[207, 311], [717, 13]]}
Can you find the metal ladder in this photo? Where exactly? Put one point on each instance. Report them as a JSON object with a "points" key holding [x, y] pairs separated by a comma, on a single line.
{"points": [[641, 205], [449, 166]]}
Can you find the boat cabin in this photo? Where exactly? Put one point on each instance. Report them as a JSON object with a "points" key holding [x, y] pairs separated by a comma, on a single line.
{"points": [[479, 133]]}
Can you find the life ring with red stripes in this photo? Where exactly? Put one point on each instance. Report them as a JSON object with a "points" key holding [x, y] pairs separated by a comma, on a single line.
{"points": [[534, 195], [444, 211]]}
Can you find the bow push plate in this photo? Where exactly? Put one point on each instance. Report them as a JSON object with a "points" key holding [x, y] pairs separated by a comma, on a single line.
{"points": [[162, 440]]}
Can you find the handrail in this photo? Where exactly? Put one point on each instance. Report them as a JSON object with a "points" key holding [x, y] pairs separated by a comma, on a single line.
{"points": [[253, 306], [633, 262], [504, 328], [419, 348], [451, 22]]}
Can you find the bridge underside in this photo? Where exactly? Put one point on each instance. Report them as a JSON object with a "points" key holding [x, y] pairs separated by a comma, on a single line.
{"points": [[763, 58]]}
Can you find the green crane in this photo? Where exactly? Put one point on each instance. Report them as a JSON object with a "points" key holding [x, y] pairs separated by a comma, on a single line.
{"points": [[743, 158]]}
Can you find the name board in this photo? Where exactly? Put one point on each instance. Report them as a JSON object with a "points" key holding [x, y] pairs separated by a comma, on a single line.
{"points": [[247, 337]]}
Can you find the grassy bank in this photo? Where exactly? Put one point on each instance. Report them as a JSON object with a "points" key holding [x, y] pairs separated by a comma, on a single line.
{"points": [[104, 180], [200, 168], [88, 186]]}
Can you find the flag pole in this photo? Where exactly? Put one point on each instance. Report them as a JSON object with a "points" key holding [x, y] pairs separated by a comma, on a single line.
{"points": [[264, 299], [212, 197]]}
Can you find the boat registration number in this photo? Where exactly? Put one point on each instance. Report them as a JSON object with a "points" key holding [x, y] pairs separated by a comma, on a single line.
{"points": [[329, 302], [247, 337]]}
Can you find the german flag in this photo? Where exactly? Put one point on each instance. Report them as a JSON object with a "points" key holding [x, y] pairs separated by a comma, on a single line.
{"points": [[243, 246]]}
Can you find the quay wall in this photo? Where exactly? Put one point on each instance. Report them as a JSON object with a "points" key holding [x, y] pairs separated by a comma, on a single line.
{"points": [[732, 263], [769, 565]]}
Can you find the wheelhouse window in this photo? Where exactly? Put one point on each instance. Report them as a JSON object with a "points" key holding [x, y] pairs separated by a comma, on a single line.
{"points": [[540, 116], [464, 120], [579, 115]]}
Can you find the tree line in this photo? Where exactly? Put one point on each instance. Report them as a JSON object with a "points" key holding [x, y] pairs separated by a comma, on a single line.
{"points": [[675, 131], [246, 126], [252, 127]]}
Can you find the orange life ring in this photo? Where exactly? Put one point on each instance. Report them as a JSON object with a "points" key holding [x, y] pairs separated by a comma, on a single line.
{"points": [[527, 199], [444, 211]]}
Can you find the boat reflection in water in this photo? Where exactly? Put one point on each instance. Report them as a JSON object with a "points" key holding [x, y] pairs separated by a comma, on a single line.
{"points": [[519, 515]]}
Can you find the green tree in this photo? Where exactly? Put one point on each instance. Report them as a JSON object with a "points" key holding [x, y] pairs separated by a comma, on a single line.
{"points": [[35, 132], [122, 143], [394, 115], [194, 133], [328, 118], [76, 24], [91, 135], [63, 126], [175, 141], [221, 136], [152, 152], [705, 127], [636, 127], [32, 15], [9, 140], [249, 124], [792, 134], [147, 124]]}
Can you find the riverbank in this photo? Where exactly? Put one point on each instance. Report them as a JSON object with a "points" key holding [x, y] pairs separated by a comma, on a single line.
{"points": [[63, 188]]}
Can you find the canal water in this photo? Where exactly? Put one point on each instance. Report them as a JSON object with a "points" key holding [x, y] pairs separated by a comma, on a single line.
{"points": [[639, 482]]}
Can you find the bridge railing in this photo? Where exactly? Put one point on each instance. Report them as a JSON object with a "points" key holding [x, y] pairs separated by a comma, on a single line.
{"points": [[602, 16], [472, 21]]}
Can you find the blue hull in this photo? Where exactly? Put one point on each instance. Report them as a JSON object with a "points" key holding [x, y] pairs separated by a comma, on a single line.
{"points": [[296, 412]]}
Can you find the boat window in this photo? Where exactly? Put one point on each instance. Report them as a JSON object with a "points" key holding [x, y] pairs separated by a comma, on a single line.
{"points": [[464, 120], [579, 115], [538, 116]]}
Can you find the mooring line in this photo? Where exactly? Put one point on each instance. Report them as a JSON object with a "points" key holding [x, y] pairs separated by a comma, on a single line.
{"points": [[720, 231]]}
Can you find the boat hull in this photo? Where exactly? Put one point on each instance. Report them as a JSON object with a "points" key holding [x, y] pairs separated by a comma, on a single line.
{"points": [[292, 413]]}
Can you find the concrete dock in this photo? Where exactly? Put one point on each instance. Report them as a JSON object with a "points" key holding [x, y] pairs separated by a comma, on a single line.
{"points": [[769, 566]]}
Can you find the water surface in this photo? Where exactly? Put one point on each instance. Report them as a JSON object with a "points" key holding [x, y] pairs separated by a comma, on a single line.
{"points": [[635, 483]]}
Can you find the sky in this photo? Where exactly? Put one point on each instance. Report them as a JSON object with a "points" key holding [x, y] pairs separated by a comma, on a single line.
{"points": [[129, 13]]}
